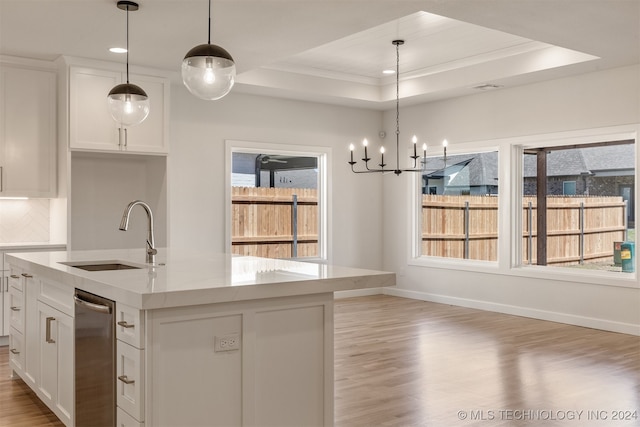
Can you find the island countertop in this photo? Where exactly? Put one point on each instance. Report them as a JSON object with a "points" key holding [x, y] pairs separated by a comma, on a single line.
{"points": [[185, 278]]}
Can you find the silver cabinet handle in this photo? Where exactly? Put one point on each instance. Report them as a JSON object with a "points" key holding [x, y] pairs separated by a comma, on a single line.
{"points": [[126, 137], [14, 351], [1, 180], [48, 337], [14, 276], [14, 308], [28, 276], [126, 380], [125, 324]]}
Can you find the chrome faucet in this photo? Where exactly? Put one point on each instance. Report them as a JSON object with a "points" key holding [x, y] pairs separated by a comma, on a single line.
{"points": [[124, 224]]}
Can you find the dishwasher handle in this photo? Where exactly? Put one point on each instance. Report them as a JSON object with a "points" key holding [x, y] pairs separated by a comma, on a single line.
{"points": [[100, 308]]}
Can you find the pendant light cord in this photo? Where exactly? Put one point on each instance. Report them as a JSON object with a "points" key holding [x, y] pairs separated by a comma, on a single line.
{"points": [[397, 106], [209, 35], [127, 44]]}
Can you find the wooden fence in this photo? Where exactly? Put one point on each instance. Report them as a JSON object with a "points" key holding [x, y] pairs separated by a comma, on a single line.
{"points": [[268, 222], [579, 229]]}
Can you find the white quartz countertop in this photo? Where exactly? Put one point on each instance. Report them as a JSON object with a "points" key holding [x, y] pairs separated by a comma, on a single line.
{"points": [[184, 278]]}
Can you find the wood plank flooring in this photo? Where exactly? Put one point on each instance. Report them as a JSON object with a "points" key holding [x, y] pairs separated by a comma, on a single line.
{"points": [[402, 362]]}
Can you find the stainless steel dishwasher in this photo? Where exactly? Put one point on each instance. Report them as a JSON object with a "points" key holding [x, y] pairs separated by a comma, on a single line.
{"points": [[95, 361]]}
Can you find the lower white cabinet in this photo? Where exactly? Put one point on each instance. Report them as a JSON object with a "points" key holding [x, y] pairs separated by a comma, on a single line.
{"points": [[41, 341], [16, 309], [130, 379], [16, 350], [125, 420], [56, 361], [4, 307]]}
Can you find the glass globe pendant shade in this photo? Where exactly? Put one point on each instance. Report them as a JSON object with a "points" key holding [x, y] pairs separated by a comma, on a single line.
{"points": [[128, 104], [208, 71]]}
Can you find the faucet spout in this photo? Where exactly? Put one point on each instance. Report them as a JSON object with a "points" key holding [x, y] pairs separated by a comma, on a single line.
{"points": [[124, 225]]}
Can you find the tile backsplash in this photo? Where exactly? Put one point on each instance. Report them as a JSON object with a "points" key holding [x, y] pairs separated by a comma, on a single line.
{"points": [[24, 221]]}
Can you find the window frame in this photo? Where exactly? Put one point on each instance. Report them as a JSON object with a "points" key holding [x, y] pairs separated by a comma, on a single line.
{"points": [[510, 152], [416, 257], [324, 185], [417, 206]]}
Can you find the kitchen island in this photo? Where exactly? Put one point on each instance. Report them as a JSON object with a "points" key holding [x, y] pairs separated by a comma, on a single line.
{"points": [[202, 339]]}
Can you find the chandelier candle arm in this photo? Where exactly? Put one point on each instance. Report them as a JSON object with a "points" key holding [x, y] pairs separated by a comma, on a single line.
{"points": [[444, 146]]}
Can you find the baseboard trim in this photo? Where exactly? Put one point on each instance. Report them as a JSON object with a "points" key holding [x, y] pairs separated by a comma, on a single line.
{"points": [[358, 293], [588, 322]]}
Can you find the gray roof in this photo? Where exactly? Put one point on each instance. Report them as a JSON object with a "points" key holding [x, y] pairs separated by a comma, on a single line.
{"points": [[473, 169], [611, 157], [578, 161]]}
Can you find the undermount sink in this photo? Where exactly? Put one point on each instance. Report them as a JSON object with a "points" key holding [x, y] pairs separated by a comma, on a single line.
{"points": [[100, 265]]}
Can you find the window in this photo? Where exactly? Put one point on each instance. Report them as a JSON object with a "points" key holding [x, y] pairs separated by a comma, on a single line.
{"points": [[569, 188], [586, 191], [459, 207], [277, 202]]}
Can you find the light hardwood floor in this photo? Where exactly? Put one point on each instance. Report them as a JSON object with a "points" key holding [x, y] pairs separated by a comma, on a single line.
{"points": [[402, 362]]}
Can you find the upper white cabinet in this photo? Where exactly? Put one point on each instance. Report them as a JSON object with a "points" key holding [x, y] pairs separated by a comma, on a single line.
{"points": [[28, 136], [90, 124]]}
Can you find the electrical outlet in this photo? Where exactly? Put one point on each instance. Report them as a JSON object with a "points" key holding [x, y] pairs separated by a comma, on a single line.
{"points": [[228, 342]]}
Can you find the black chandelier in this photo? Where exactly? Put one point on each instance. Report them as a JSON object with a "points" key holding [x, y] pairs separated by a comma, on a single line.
{"points": [[414, 140]]}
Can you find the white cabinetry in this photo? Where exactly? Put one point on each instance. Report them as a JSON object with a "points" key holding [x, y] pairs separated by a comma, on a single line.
{"points": [[28, 137], [23, 321], [4, 298], [56, 361], [16, 308], [130, 356], [41, 339], [91, 125], [281, 373]]}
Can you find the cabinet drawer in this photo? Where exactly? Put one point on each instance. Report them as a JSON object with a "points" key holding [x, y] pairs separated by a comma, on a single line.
{"points": [[57, 295], [16, 279], [130, 325], [125, 420], [16, 350], [130, 379], [16, 309]]}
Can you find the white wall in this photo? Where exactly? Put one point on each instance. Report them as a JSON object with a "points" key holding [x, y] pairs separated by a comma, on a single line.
{"points": [[602, 99], [198, 132]]}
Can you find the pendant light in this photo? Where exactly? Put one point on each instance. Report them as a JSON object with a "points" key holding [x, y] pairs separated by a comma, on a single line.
{"points": [[128, 103], [208, 71]]}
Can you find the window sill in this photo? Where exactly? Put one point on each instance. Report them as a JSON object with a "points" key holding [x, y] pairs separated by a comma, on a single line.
{"points": [[603, 278]]}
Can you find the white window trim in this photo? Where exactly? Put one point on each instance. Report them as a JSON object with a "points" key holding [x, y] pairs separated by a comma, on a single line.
{"points": [[324, 185], [509, 226]]}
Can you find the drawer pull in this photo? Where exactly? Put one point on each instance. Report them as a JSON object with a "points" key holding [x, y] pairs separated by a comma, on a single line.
{"points": [[28, 276], [126, 380], [15, 308], [15, 276], [124, 324], [48, 337], [14, 351]]}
